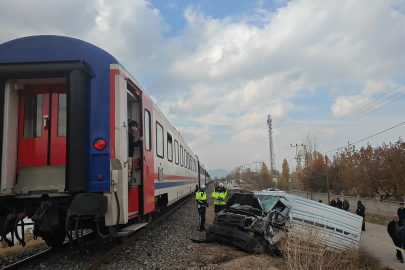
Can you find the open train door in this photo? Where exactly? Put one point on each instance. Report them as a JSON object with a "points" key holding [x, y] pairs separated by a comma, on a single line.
{"points": [[148, 184]]}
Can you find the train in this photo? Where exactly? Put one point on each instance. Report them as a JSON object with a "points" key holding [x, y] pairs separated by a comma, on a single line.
{"points": [[65, 105]]}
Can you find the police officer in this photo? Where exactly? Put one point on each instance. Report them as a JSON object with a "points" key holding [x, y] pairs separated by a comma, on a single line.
{"points": [[202, 204], [219, 195]]}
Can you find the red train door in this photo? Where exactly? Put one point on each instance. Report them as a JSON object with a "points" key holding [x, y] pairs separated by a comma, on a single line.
{"points": [[42, 126], [148, 162]]}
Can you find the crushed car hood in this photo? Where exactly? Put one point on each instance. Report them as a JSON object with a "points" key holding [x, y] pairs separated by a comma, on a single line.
{"points": [[244, 197]]}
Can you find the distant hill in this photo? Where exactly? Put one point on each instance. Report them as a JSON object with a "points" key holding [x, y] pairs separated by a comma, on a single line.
{"points": [[218, 173]]}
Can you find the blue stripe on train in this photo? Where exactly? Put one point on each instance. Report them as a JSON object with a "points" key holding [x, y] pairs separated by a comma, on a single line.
{"points": [[161, 185]]}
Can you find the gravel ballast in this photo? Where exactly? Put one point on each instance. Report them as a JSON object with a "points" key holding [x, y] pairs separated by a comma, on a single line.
{"points": [[153, 250], [159, 248]]}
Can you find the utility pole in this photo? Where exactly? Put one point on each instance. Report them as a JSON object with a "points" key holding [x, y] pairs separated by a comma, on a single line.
{"points": [[327, 177], [305, 155], [296, 150]]}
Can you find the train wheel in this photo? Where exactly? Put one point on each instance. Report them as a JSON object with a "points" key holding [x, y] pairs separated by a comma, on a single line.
{"points": [[55, 240]]}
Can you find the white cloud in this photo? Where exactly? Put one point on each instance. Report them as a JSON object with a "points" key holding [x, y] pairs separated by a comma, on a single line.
{"points": [[197, 138], [229, 71], [346, 105]]}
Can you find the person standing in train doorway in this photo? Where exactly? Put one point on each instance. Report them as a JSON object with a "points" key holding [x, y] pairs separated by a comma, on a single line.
{"points": [[132, 128], [202, 204], [219, 195]]}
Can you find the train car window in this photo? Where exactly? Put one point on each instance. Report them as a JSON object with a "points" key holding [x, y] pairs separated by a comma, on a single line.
{"points": [[169, 147], [33, 115], [62, 115], [181, 156], [185, 158], [160, 150], [176, 152], [147, 139]]}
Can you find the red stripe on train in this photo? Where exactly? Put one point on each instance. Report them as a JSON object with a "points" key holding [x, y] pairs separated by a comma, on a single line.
{"points": [[174, 177]]}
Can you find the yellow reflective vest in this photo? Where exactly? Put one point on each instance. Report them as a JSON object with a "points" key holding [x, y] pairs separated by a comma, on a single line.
{"points": [[219, 196], [201, 198]]}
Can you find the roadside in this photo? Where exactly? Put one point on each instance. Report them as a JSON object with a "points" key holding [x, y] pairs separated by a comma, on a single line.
{"points": [[382, 251]]}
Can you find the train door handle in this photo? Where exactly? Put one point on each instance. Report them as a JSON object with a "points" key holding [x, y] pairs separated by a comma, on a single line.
{"points": [[46, 122], [147, 170]]}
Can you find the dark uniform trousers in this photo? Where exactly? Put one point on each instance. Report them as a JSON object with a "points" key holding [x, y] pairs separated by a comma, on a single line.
{"points": [[201, 212], [397, 243]]}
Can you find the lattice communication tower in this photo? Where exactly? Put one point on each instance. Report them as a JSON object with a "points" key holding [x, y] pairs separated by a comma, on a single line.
{"points": [[272, 157]]}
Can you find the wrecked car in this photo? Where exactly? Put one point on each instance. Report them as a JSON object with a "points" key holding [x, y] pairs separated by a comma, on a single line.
{"points": [[257, 221]]}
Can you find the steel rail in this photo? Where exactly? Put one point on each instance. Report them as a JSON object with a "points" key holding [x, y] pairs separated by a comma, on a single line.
{"points": [[40, 255], [110, 254]]}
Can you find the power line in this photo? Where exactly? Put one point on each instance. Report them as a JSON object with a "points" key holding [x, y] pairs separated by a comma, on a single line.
{"points": [[278, 152], [320, 131], [286, 151], [366, 114], [326, 132], [367, 137]]}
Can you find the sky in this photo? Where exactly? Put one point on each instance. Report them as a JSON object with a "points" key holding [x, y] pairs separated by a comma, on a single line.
{"points": [[217, 69]]}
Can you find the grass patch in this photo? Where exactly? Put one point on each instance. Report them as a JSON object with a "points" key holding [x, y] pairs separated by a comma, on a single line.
{"points": [[377, 219], [6, 251]]}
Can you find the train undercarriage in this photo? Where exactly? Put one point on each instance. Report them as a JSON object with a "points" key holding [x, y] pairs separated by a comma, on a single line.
{"points": [[56, 218]]}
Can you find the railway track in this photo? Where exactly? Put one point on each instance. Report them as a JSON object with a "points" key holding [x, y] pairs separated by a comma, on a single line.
{"points": [[110, 254], [43, 254], [107, 256]]}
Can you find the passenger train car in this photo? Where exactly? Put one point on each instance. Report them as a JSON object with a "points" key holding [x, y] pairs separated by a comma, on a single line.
{"points": [[65, 105]]}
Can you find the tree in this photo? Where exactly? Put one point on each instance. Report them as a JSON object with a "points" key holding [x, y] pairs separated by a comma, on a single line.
{"points": [[265, 179], [282, 182]]}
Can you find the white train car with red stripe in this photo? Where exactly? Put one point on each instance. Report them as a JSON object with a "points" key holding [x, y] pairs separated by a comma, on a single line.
{"points": [[65, 106]]}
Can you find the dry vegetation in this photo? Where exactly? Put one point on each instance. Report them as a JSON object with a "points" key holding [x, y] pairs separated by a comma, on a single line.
{"points": [[6, 251], [309, 251]]}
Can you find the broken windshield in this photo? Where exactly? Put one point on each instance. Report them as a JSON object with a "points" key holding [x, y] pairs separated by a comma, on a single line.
{"points": [[268, 202]]}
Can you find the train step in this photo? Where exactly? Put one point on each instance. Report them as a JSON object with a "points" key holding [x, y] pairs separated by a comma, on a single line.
{"points": [[130, 229]]}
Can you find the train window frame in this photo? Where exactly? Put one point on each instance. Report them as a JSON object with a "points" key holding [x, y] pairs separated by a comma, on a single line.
{"points": [[185, 158], [171, 146], [176, 152], [32, 123], [147, 135], [181, 156], [62, 115], [162, 141]]}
